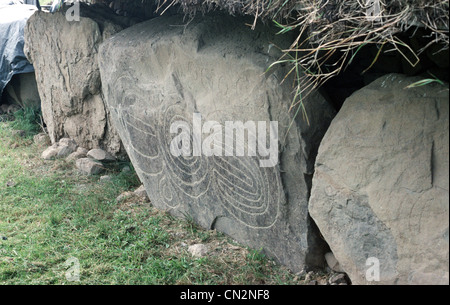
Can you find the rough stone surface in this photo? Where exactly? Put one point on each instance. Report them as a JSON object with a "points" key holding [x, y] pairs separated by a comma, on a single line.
{"points": [[66, 147], [381, 185], [41, 139], [141, 192], [89, 167], [75, 156], [105, 179], [198, 250], [126, 169], [65, 151], [78, 154], [50, 153], [59, 150], [159, 72], [82, 150], [100, 155], [332, 262], [64, 55], [124, 196], [337, 279]]}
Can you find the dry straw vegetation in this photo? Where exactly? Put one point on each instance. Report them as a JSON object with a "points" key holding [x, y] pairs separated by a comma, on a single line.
{"points": [[331, 32]]}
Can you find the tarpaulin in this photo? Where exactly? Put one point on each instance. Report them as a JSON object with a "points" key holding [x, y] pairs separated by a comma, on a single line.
{"points": [[13, 18]]}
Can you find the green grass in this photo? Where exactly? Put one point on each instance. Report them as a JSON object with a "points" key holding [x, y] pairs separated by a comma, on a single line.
{"points": [[49, 213], [28, 120], [425, 82]]}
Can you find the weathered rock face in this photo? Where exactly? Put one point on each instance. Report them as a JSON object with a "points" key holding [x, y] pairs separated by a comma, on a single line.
{"points": [[100, 155], [60, 150], [162, 71], [64, 54], [89, 166], [380, 189]]}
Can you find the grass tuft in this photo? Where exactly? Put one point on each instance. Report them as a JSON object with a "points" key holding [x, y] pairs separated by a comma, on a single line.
{"points": [[28, 119]]}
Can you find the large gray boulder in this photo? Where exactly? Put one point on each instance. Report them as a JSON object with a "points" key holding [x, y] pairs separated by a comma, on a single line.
{"points": [[64, 55], [165, 70], [380, 191]]}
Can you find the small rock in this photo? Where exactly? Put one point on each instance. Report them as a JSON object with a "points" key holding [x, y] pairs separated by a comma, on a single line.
{"points": [[308, 276], [66, 146], [89, 167], [82, 151], [100, 155], [126, 169], [198, 250], [50, 153], [141, 192], [124, 196], [41, 139], [105, 178], [301, 273], [333, 263], [337, 279], [65, 151], [12, 109], [62, 149], [75, 156]]}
